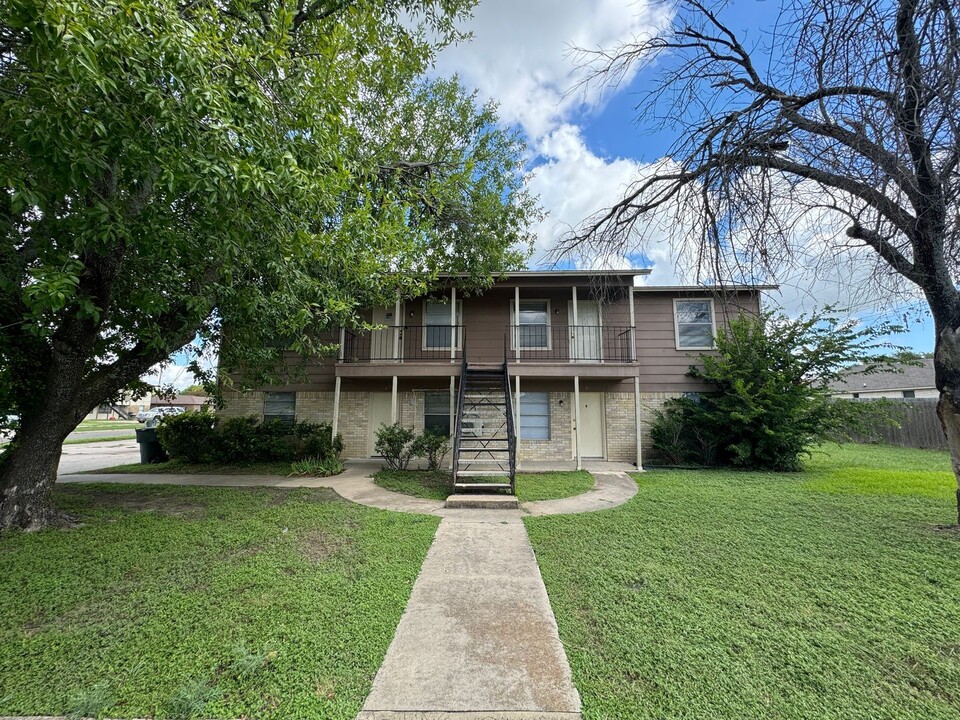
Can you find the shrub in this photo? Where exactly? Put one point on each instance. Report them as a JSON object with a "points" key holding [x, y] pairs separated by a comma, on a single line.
{"points": [[396, 444], [189, 436], [316, 440], [317, 467], [236, 440], [771, 395], [432, 446]]}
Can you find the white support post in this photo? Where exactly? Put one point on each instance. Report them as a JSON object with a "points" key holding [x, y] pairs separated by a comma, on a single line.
{"points": [[336, 405], [573, 351], [633, 328], [343, 339], [516, 418], [576, 416], [453, 323], [396, 331], [453, 414], [636, 407], [516, 323], [394, 418]]}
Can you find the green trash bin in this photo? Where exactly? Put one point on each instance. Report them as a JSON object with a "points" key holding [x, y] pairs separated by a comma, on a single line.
{"points": [[150, 449]]}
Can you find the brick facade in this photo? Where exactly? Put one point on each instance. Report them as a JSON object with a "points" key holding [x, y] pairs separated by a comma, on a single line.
{"points": [[621, 426]]}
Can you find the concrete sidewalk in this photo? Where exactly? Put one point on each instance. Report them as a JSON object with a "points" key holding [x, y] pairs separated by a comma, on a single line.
{"points": [[478, 637]]}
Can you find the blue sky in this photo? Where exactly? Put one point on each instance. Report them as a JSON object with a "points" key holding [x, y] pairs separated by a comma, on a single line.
{"points": [[586, 144]]}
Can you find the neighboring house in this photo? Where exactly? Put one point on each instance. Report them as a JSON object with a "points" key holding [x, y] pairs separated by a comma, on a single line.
{"points": [[590, 357], [911, 381], [187, 402], [126, 409]]}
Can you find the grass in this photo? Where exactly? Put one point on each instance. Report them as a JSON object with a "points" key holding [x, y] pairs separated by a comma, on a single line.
{"points": [[100, 425], [206, 602], [87, 441], [530, 486], [832, 593], [181, 467]]}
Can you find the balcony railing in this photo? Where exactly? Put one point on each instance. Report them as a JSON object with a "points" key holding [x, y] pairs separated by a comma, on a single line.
{"points": [[489, 341]]}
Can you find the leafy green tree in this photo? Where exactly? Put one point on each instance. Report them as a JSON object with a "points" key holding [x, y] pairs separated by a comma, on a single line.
{"points": [[172, 168], [770, 399]]}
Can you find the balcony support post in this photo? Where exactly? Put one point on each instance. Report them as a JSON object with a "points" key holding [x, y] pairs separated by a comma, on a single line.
{"points": [[453, 323], [633, 327], [453, 413], [636, 409], [574, 350], [396, 331], [576, 417], [516, 325], [336, 405], [516, 419], [394, 407]]}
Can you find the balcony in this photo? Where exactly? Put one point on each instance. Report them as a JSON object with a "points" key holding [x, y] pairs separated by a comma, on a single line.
{"points": [[557, 350]]}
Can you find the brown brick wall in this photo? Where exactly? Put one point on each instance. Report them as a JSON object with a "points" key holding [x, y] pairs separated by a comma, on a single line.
{"points": [[621, 427]]}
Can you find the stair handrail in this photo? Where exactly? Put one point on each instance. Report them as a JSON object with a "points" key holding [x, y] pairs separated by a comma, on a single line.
{"points": [[458, 431], [511, 429]]}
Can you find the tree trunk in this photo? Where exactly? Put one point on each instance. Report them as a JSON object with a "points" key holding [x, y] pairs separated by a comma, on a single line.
{"points": [[947, 364], [27, 475]]}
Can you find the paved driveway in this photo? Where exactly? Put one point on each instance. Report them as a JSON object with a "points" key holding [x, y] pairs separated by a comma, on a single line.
{"points": [[91, 456]]}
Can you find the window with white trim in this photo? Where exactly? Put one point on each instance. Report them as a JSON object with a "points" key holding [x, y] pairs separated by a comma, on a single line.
{"points": [[280, 406], [534, 416], [693, 320], [532, 331], [437, 335], [436, 412]]}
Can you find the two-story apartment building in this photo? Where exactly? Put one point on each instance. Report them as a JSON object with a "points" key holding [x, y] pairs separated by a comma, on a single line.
{"points": [[590, 356]]}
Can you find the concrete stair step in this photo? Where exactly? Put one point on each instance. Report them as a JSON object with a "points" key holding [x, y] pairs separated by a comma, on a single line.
{"points": [[483, 502], [481, 473]]}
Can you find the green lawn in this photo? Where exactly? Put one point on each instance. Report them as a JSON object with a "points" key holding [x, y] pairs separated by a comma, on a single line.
{"points": [[88, 440], [833, 593], [98, 425], [210, 602], [530, 486], [181, 467]]}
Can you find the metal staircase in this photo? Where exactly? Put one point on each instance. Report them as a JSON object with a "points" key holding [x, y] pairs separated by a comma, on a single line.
{"points": [[485, 442]]}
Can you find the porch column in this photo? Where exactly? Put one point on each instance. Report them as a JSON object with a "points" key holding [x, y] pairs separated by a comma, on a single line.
{"points": [[396, 331], [636, 408], [336, 405], [633, 328], [515, 330], [453, 405], [576, 416], [516, 418], [573, 350], [393, 403], [453, 323]]}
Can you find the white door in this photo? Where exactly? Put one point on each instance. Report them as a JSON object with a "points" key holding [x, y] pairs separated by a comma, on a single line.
{"points": [[381, 341], [381, 413], [591, 425], [585, 345]]}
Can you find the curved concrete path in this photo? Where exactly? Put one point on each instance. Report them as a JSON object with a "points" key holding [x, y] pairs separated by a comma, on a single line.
{"points": [[609, 490]]}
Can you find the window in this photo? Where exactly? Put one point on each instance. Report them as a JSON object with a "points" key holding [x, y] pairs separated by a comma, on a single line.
{"points": [[437, 334], [533, 325], [909, 394], [693, 321], [436, 412], [280, 406], [856, 396], [534, 415]]}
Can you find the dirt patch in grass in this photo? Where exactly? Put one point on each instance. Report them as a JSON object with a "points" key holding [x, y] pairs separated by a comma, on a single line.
{"points": [[172, 506], [319, 546]]}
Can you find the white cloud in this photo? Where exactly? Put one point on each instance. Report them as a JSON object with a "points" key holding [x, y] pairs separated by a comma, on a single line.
{"points": [[522, 54]]}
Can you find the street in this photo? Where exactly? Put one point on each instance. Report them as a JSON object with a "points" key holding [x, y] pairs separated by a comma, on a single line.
{"points": [[92, 456]]}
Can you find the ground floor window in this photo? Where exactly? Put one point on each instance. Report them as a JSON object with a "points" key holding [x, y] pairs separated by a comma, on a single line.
{"points": [[534, 416], [436, 412], [280, 406]]}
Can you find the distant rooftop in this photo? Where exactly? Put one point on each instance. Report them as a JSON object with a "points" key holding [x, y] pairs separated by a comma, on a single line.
{"points": [[912, 377]]}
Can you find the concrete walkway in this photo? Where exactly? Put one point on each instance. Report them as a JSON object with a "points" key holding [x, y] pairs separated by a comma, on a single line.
{"points": [[478, 638], [609, 490]]}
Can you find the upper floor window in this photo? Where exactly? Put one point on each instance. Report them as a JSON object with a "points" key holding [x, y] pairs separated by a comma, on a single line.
{"points": [[693, 323], [280, 406], [438, 333], [532, 325]]}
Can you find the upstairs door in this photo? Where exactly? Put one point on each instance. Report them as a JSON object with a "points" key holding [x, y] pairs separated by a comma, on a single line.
{"points": [[381, 341], [585, 344]]}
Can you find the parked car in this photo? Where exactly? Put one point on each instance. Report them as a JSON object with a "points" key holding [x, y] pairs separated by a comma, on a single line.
{"points": [[145, 415]]}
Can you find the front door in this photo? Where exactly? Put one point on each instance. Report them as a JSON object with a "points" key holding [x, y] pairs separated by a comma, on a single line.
{"points": [[381, 413], [591, 425], [381, 341], [585, 345]]}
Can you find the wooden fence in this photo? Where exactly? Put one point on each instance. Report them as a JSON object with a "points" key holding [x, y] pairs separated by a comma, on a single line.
{"points": [[919, 426]]}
